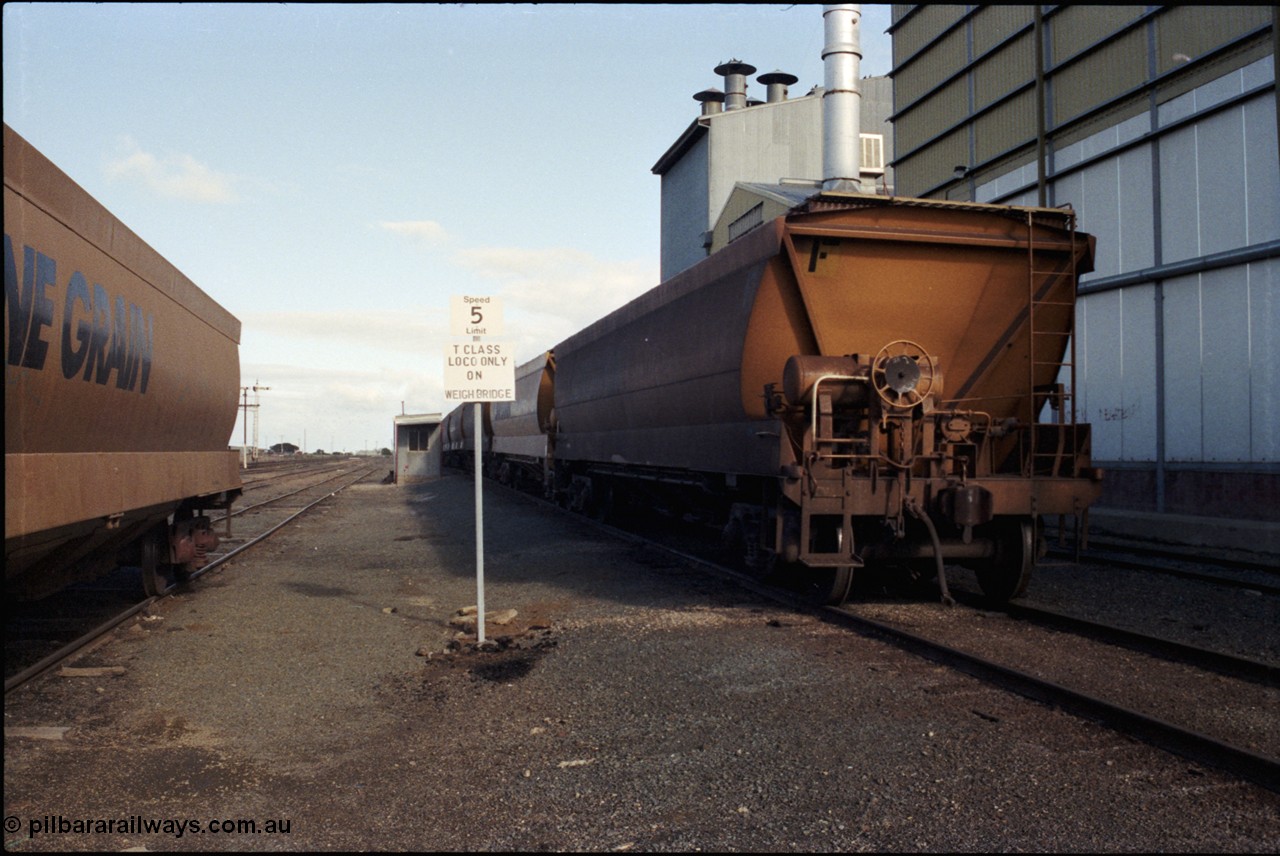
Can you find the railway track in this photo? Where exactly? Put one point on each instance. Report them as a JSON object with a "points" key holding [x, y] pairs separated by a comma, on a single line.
{"points": [[263, 474], [74, 619], [1221, 716], [1207, 659], [1211, 707], [283, 495], [271, 514], [1228, 573]]}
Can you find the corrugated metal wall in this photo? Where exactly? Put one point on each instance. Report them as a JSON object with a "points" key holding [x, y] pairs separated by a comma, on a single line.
{"points": [[1220, 344], [1218, 193], [953, 62], [927, 22], [1178, 176], [1112, 69], [1117, 375], [1079, 28], [1004, 72], [766, 144], [684, 210]]}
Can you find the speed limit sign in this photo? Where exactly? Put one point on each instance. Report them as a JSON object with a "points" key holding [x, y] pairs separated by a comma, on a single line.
{"points": [[475, 316]]}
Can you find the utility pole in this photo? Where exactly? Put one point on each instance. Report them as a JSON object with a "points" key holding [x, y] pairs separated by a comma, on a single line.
{"points": [[246, 407], [257, 387], [244, 446]]}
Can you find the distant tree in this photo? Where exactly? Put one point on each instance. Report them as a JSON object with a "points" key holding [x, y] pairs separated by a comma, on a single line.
{"points": [[386, 453], [319, 451]]}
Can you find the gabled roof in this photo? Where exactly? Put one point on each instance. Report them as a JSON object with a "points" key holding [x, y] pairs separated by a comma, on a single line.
{"points": [[696, 131], [789, 195]]}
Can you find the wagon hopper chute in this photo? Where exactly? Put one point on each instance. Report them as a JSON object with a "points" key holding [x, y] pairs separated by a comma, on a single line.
{"points": [[936, 418]]}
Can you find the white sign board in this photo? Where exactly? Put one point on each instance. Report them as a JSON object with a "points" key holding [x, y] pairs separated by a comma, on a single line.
{"points": [[475, 316], [479, 371]]}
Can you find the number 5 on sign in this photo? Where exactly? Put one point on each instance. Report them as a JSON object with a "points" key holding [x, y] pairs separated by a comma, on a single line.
{"points": [[475, 316]]}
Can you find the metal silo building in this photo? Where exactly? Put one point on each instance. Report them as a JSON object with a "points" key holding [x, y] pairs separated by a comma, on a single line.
{"points": [[1158, 125], [739, 145]]}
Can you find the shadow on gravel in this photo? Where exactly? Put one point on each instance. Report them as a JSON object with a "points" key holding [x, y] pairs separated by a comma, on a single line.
{"points": [[529, 541], [468, 668], [505, 670], [316, 590]]}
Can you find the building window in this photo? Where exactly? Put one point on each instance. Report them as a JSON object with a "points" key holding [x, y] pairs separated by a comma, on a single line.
{"points": [[419, 437]]}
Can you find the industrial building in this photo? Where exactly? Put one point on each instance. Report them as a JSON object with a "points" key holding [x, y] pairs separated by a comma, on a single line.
{"points": [[1158, 125], [743, 161]]}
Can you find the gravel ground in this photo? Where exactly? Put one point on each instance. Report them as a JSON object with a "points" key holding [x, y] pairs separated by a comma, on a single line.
{"points": [[1243, 713], [1242, 622], [635, 705]]}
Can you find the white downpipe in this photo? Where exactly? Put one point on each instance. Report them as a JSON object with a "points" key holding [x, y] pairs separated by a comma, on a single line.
{"points": [[842, 100]]}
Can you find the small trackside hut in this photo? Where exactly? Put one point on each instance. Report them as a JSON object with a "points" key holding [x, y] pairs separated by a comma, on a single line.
{"points": [[418, 444]]}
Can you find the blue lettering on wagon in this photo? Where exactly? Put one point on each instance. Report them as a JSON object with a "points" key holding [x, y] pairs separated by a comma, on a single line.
{"points": [[100, 333]]}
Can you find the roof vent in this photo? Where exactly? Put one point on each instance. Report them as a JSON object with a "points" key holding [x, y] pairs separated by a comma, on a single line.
{"points": [[777, 81], [735, 82], [712, 101]]}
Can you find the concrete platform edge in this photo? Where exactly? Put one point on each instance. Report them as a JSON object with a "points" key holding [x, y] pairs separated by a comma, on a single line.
{"points": [[1257, 540]]}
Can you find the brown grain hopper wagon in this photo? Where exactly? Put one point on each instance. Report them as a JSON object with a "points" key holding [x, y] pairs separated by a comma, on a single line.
{"points": [[121, 386], [867, 381]]}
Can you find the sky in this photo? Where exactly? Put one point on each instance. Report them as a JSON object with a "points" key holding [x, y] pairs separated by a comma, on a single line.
{"points": [[333, 174]]}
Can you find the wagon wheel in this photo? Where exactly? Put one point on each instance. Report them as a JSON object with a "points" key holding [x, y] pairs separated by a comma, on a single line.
{"points": [[600, 506], [902, 374], [1005, 576], [154, 583], [827, 586]]}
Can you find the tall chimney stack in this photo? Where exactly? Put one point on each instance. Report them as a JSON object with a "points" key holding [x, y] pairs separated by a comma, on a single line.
{"points": [[735, 82], [842, 100]]}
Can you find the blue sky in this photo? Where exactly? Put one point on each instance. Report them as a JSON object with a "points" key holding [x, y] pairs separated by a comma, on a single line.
{"points": [[333, 173]]}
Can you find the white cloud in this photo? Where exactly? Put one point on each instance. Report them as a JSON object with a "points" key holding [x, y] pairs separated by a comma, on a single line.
{"points": [[308, 358], [398, 330], [571, 286], [428, 230], [548, 293], [176, 176], [336, 409]]}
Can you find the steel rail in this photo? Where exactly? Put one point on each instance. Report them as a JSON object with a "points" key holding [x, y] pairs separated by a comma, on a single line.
{"points": [[1156, 646], [1111, 560], [63, 653], [1259, 769], [334, 477], [262, 537]]}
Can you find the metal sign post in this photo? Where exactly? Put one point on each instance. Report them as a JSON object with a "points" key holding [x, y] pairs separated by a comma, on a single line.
{"points": [[479, 530], [478, 372]]}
